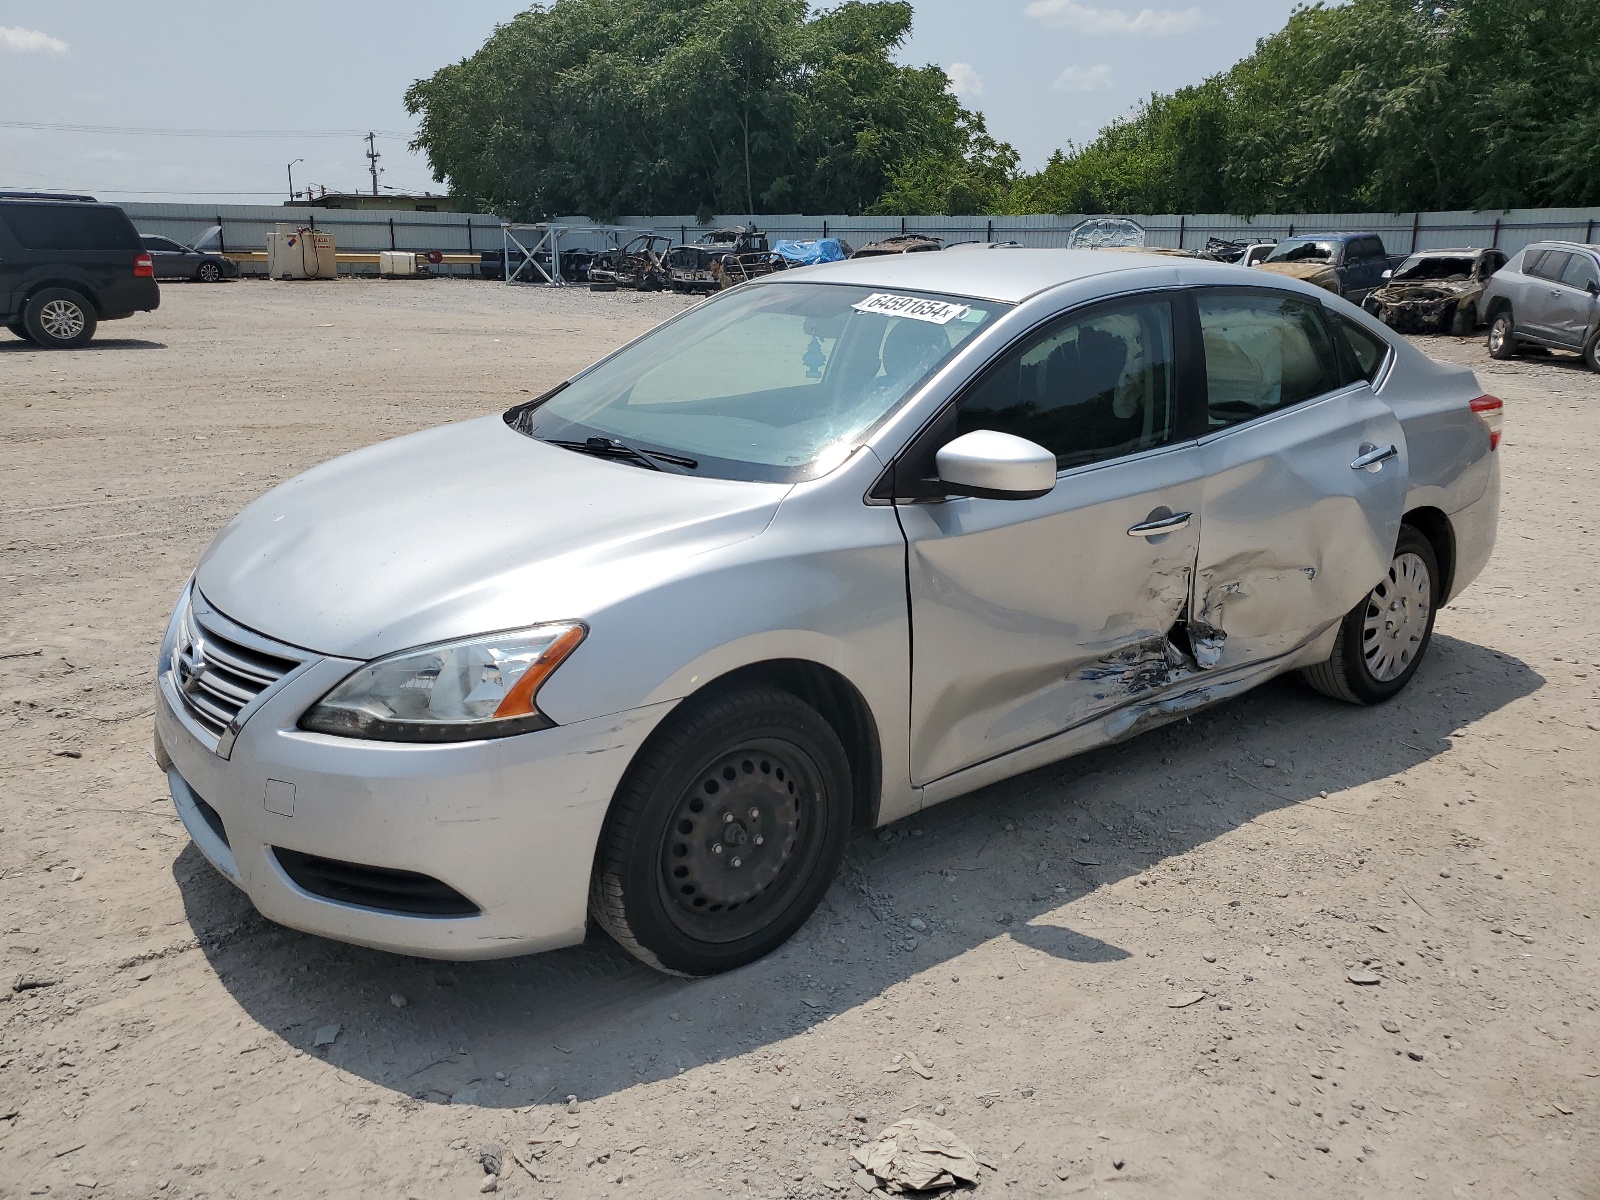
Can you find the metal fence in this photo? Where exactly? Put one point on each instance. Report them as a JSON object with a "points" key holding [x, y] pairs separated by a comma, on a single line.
{"points": [[1401, 232], [245, 227]]}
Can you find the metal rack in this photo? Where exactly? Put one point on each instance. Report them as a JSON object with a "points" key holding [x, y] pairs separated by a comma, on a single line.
{"points": [[550, 233]]}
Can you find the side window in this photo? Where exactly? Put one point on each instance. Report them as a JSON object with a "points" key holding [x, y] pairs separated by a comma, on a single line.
{"points": [[1550, 265], [1263, 352], [1492, 262], [1366, 348], [1087, 388], [1580, 272], [71, 226], [1367, 249]]}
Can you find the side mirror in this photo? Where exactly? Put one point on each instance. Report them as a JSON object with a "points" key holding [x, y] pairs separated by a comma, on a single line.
{"points": [[1592, 288], [996, 466], [1388, 274]]}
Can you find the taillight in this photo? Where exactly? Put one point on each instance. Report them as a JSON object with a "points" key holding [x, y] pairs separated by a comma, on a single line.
{"points": [[1491, 412], [144, 267]]}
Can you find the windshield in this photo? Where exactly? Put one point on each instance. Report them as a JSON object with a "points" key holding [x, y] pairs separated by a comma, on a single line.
{"points": [[1305, 250], [1435, 266], [775, 382]]}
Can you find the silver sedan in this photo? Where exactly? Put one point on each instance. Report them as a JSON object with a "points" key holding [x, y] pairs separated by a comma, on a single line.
{"points": [[811, 556]]}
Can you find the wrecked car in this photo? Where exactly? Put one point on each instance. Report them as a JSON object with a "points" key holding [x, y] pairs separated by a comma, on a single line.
{"points": [[900, 243], [691, 266], [1347, 264], [813, 555], [1547, 297], [640, 264], [1245, 254], [1435, 291]]}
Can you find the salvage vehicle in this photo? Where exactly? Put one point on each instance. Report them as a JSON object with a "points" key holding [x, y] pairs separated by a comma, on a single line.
{"points": [[900, 243], [1347, 264], [1435, 291], [176, 260], [691, 267], [66, 264], [641, 264], [1547, 296], [811, 556]]}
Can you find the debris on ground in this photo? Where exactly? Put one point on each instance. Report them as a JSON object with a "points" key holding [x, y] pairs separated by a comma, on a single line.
{"points": [[326, 1035], [489, 1158], [917, 1156], [27, 983]]}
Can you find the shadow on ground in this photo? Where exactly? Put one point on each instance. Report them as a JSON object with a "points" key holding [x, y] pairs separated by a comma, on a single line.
{"points": [[17, 345], [591, 1020]]}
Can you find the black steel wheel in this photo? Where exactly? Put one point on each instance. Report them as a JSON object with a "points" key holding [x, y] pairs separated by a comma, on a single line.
{"points": [[208, 272], [1383, 639], [59, 318], [725, 833]]}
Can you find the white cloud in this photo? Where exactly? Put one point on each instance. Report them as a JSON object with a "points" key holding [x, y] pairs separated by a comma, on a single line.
{"points": [[29, 41], [965, 82], [1084, 79], [1085, 18]]}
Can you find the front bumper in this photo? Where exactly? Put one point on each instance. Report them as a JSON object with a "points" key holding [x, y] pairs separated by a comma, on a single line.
{"points": [[511, 824]]}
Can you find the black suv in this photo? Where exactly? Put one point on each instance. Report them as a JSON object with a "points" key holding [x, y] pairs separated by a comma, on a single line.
{"points": [[66, 264]]}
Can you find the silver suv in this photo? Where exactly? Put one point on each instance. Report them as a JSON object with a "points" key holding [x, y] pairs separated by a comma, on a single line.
{"points": [[1549, 295]]}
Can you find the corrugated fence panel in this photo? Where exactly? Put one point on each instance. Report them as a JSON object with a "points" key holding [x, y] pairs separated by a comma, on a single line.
{"points": [[245, 227]]}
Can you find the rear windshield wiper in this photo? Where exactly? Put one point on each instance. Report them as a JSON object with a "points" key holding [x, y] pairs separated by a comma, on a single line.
{"points": [[611, 448]]}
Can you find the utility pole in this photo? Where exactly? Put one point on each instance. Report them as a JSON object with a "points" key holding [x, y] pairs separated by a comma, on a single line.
{"points": [[372, 160], [291, 177]]}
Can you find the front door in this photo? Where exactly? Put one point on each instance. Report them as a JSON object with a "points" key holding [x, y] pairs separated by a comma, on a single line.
{"points": [[1304, 480], [1572, 302], [1031, 616], [1536, 310]]}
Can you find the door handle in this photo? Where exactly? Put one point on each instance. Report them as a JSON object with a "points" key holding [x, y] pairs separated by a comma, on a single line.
{"points": [[1160, 526], [1372, 458]]}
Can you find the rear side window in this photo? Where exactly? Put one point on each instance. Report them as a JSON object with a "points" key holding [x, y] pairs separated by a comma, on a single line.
{"points": [[70, 227], [1087, 388], [1580, 272], [1367, 349], [1548, 265], [1263, 352]]}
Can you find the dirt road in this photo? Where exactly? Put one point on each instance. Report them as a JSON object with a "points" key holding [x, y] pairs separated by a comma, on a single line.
{"points": [[1010, 965]]}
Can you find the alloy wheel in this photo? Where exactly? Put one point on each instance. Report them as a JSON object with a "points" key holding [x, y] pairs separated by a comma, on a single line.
{"points": [[62, 320]]}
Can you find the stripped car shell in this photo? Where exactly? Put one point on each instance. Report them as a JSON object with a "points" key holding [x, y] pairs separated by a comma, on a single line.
{"points": [[1436, 291], [1145, 584]]}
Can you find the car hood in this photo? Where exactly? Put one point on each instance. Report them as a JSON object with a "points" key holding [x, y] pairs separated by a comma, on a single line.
{"points": [[1321, 274], [461, 530], [1428, 289]]}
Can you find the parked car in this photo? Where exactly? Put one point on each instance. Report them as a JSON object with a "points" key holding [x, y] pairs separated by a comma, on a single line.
{"points": [[693, 266], [1435, 291], [900, 243], [639, 265], [1346, 264], [641, 649], [174, 260], [1546, 296], [67, 264]]}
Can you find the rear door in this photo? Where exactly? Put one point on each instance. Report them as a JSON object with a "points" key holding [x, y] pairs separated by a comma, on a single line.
{"points": [[1032, 616], [13, 264], [1305, 474]]}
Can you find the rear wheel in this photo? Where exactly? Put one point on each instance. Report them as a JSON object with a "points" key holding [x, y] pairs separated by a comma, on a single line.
{"points": [[21, 330], [1502, 335], [59, 319], [725, 833], [1465, 320], [209, 272], [1382, 640]]}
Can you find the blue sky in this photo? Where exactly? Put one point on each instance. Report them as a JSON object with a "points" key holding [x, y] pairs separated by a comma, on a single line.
{"points": [[318, 75]]}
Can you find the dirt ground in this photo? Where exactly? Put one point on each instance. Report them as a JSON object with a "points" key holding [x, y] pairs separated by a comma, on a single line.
{"points": [[1007, 965]]}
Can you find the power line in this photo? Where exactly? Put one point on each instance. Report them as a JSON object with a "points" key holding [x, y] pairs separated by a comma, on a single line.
{"points": [[243, 133]]}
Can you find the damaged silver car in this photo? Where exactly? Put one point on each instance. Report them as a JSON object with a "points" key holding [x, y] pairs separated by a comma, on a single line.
{"points": [[1436, 291], [819, 552]]}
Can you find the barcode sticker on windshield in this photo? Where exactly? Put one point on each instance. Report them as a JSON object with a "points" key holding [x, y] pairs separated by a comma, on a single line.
{"points": [[917, 308]]}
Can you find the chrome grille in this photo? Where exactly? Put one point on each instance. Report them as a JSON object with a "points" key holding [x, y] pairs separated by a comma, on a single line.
{"points": [[220, 670]]}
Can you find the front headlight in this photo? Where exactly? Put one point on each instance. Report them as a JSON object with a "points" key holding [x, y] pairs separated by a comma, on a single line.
{"points": [[483, 687]]}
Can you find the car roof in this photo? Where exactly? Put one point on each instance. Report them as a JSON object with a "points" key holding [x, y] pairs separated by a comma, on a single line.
{"points": [[1453, 252], [1553, 243], [1010, 275]]}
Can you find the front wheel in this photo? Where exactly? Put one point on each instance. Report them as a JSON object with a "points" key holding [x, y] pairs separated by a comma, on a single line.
{"points": [[1382, 640], [1465, 320], [209, 272], [725, 833], [59, 319], [1591, 353], [1502, 335]]}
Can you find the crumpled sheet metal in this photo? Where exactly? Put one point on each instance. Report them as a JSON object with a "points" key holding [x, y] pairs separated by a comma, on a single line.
{"points": [[918, 1156]]}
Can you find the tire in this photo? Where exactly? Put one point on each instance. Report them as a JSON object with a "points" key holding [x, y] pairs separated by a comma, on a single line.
{"points": [[1591, 353], [1465, 320], [59, 319], [1376, 654], [21, 330], [208, 272], [670, 886], [1502, 341]]}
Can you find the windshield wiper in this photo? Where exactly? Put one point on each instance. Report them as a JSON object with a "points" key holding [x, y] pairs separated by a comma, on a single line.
{"points": [[611, 448]]}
